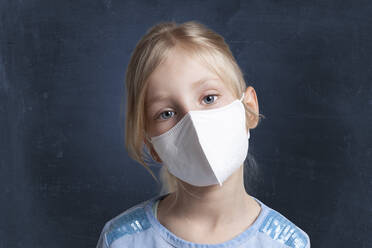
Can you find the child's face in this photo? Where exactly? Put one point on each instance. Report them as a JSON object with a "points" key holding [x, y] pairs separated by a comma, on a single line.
{"points": [[176, 82]]}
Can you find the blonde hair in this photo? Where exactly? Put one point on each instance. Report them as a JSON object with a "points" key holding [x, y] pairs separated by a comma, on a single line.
{"points": [[195, 39]]}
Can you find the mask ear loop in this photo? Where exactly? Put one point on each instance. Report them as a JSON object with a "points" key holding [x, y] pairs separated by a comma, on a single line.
{"points": [[149, 141], [148, 138], [242, 97], [248, 129]]}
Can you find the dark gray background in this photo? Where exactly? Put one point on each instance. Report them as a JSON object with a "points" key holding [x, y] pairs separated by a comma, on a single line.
{"points": [[64, 171]]}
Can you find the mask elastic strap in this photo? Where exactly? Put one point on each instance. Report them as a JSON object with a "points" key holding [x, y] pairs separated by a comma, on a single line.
{"points": [[148, 138], [242, 97]]}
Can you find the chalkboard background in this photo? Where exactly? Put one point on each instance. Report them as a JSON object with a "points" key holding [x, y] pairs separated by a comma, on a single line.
{"points": [[64, 170]]}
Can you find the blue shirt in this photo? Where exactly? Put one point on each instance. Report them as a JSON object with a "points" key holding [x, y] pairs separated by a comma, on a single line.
{"points": [[138, 227]]}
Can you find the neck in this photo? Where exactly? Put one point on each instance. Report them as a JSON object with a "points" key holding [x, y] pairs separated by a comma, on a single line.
{"points": [[212, 206]]}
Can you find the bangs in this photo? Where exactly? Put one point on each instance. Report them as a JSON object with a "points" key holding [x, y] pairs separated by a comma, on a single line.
{"points": [[215, 61]]}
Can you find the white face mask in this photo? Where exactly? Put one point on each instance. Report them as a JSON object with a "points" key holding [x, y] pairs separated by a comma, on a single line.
{"points": [[206, 146]]}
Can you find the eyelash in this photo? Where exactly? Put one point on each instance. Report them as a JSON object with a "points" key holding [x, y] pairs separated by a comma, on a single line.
{"points": [[158, 117]]}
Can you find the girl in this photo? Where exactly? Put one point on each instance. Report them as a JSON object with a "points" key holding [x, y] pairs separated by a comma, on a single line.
{"points": [[187, 102]]}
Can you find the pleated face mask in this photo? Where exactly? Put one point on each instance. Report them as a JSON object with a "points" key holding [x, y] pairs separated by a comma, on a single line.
{"points": [[206, 146]]}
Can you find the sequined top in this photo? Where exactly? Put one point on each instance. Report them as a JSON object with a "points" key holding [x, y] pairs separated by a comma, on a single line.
{"points": [[139, 227]]}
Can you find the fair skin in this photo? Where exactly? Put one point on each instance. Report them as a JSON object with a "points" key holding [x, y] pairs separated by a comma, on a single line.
{"points": [[211, 214]]}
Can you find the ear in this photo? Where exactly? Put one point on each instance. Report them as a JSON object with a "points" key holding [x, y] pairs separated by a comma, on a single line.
{"points": [[153, 153], [250, 100]]}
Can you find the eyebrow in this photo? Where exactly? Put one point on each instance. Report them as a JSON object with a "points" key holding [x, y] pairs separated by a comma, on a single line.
{"points": [[196, 84]]}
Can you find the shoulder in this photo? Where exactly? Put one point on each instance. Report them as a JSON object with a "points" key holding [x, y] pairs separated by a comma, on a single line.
{"points": [[277, 227], [131, 221]]}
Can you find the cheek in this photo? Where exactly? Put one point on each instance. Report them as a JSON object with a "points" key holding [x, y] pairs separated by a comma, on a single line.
{"points": [[152, 128], [148, 126], [156, 127]]}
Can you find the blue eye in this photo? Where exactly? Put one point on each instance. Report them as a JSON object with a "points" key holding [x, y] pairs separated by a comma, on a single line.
{"points": [[209, 97], [169, 114], [165, 114]]}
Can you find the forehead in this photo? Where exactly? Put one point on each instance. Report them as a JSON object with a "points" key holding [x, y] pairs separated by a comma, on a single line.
{"points": [[177, 70]]}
